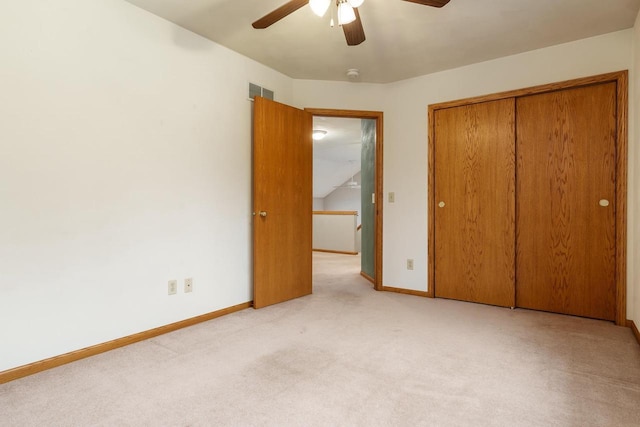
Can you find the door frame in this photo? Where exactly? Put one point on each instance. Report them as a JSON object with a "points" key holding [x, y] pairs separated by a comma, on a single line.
{"points": [[378, 117], [621, 80]]}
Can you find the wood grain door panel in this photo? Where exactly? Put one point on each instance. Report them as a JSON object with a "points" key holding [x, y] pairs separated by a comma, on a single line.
{"points": [[475, 184], [566, 164], [282, 189]]}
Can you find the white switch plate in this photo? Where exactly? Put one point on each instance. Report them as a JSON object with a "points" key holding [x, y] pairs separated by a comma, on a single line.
{"points": [[392, 197], [409, 264], [173, 287], [188, 285]]}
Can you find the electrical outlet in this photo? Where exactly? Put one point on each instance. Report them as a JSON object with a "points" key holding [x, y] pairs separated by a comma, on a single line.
{"points": [[188, 285], [409, 264], [173, 287]]}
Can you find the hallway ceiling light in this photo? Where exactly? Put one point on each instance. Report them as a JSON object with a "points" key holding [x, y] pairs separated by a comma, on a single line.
{"points": [[318, 134]]}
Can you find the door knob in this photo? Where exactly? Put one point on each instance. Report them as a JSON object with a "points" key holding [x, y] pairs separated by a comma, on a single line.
{"points": [[604, 203], [263, 214], [441, 204]]}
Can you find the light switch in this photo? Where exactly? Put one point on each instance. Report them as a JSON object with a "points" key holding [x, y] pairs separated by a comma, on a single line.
{"points": [[392, 197]]}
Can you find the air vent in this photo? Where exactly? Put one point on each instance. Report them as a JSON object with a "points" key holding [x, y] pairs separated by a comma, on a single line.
{"points": [[255, 90], [266, 93]]}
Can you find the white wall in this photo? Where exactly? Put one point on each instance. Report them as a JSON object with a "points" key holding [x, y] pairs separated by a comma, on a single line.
{"points": [[125, 162], [318, 204], [126, 157], [334, 232], [405, 128], [339, 95], [633, 264]]}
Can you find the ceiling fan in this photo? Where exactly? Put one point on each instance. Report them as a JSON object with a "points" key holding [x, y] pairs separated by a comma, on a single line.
{"points": [[351, 184], [347, 11]]}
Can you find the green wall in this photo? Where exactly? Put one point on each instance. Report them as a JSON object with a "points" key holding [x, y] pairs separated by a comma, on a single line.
{"points": [[368, 172]]}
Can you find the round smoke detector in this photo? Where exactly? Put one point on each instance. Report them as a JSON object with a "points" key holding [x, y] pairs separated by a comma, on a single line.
{"points": [[353, 73]]}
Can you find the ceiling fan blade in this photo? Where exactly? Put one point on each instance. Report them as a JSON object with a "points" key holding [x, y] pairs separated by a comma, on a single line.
{"points": [[286, 9], [353, 32], [434, 3]]}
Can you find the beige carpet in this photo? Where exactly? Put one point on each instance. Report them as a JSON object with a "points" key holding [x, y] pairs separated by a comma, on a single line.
{"points": [[350, 356]]}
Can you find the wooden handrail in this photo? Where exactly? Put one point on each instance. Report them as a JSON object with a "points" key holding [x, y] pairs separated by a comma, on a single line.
{"points": [[335, 212]]}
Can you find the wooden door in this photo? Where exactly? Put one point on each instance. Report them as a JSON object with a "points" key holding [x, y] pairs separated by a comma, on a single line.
{"points": [[475, 203], [566, 169], [282, 202]]}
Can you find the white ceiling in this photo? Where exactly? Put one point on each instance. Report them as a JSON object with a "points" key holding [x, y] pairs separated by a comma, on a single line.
{"points": [[336, 158], [403, 39]]}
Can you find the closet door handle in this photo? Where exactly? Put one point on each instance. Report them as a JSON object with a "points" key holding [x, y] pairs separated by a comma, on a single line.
{"points": [[441, 205], [604, 203]]}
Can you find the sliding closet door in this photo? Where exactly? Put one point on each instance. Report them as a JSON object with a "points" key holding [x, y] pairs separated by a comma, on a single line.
{"points": [[566, 196], [475, 203]]}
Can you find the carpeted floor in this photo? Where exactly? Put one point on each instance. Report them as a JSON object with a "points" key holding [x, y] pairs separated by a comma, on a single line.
{"points": [[350, 356]]}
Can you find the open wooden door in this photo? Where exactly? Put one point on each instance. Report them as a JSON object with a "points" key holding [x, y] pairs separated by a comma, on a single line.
{"points": [[282, 202]]}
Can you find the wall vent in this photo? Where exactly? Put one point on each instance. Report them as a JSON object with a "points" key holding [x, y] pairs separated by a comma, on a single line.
{"points": [[255, 90]]}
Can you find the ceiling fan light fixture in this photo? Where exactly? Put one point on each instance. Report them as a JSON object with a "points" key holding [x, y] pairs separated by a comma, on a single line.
{"points": [[319, 7], [356, 3], [318, 134], [346, 15]]}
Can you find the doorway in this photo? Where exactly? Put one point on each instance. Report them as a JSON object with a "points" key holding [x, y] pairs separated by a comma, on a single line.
{"points": [[282, 199], [356, 188]]}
